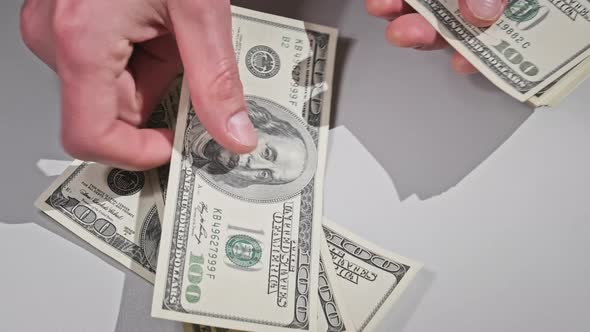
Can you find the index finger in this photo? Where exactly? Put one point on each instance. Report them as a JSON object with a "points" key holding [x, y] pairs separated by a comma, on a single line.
{"points": [[90, 62]]}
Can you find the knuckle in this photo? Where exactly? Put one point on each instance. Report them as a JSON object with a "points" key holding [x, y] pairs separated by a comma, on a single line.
{"points": [[225, 84], [69, 22]]}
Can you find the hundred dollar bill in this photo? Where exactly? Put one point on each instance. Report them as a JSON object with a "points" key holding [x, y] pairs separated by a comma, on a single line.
{"points": [[239, 246], [371, 279], [534, 42], [112, 209]]}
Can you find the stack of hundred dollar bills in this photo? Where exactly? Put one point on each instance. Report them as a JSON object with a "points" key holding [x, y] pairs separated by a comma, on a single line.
{"points": [[538, 51], [238, 242]]}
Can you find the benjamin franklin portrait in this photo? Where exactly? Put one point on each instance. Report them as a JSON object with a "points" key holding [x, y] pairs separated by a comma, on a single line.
{"points": [[283, 162]]}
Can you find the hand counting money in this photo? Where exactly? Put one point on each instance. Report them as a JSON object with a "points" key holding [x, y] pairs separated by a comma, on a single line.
{"points": [[240, 242], [536, 48], [242, 246]]}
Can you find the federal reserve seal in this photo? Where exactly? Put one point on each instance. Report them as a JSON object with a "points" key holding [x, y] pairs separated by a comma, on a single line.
{"points": [[263, 62], [125, 183], [243, 250], [521, 10]]}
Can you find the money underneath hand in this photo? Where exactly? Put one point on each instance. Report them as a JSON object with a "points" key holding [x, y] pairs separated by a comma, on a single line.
{"points": [[537, 51], [235, 231], [253, 218], [126, 228]]}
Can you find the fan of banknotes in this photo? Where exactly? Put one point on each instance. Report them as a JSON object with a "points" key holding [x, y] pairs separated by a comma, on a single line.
{"points": [[239, 241]]}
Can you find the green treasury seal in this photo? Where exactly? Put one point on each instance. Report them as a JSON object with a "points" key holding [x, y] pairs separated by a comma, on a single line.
{"points": [[243, 250], [521, 10]]}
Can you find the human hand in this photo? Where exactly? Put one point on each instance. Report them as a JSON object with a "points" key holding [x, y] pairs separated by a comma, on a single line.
{"points": [[409, 29], [115, 59]]}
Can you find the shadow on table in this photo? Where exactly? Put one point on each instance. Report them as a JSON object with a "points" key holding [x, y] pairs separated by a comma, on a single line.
{"points": [[427, 136], [135, 309], [343, 50]]}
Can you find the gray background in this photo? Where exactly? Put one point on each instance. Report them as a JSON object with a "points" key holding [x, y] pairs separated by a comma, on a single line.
{"points": [[428, 127]]}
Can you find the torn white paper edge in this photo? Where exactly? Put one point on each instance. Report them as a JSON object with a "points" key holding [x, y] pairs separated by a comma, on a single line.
{"points": [[52, 167]]}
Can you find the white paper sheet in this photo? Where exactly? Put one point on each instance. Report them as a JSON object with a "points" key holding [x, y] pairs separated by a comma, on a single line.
{"points": [[51, 167], [507, 246], [50, 284]]}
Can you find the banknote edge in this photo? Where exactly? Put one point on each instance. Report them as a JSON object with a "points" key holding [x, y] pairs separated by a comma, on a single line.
{"points": [[349, 324], [395, 292], [565, 86], [323, 133]]}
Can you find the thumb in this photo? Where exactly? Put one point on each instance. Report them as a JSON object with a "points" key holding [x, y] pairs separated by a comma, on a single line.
{"points": [[203, 33], [482, 13]]}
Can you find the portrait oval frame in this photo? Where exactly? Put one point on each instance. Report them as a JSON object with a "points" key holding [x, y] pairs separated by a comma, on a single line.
{"points": [[264, 193]]}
